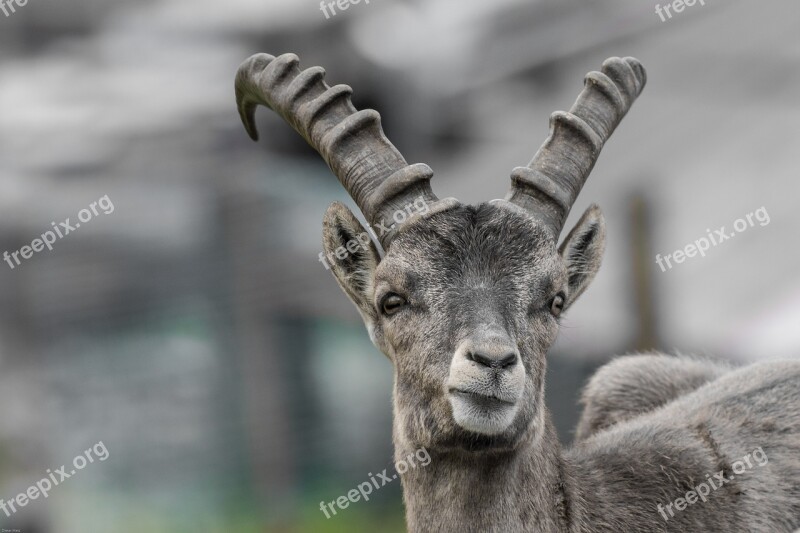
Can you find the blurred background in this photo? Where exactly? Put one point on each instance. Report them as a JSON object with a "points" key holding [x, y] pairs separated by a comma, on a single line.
{"points": [[194, 331]]}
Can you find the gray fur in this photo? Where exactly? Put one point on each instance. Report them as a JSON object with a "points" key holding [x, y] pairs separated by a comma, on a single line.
{"points": [[631, 385]]}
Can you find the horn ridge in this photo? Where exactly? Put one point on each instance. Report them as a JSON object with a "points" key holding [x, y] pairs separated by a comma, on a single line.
{"points": [[548, 187], [351, 142]]}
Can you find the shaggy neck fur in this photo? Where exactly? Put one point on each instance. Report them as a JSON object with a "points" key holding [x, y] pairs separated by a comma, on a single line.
{"points": [[463, 491]]}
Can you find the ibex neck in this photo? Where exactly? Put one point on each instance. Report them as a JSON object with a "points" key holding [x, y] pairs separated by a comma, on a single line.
{"points": [[526, 490]]}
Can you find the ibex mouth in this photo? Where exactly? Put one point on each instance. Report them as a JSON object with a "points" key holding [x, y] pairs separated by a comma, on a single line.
{"points": [[484, 400], [482, 413]]}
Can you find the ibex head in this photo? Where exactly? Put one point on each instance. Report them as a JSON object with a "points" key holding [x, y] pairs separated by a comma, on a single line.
{"points": [[466, 300]]}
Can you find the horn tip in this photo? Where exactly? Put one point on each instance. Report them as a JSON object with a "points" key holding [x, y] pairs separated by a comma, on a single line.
{"points": [[245, 79], [252, 132], [247, 112], [639, 70]]}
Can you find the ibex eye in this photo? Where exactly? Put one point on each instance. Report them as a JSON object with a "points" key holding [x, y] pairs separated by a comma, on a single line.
{"points": [[392, 303], [557, 304]]}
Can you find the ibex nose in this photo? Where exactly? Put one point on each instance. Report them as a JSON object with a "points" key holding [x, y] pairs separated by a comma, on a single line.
{"points": [[493, 360], [490, 346]]}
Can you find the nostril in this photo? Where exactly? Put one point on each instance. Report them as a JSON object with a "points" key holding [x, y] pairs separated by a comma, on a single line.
{"points": [[479, 358], [503, 361], [510, 359]]}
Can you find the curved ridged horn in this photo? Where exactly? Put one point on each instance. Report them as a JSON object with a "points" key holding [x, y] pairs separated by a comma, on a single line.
{"points": [[351, 142], [551, 182]]}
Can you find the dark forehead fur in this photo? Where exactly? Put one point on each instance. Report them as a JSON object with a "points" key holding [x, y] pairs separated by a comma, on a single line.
{"points": [[484, 241]]}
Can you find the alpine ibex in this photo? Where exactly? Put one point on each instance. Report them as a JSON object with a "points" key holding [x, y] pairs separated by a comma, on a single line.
{"points": [[465, 302]]}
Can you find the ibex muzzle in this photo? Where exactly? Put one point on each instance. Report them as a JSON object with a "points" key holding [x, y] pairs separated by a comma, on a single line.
{"points": [[486, 381]]}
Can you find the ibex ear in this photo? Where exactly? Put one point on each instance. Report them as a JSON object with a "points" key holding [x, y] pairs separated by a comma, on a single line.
{"points": [[582, 250], [352, 256]]}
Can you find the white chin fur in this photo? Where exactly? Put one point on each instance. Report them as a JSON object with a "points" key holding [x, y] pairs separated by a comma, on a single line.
{"points": [[481, 419]]}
